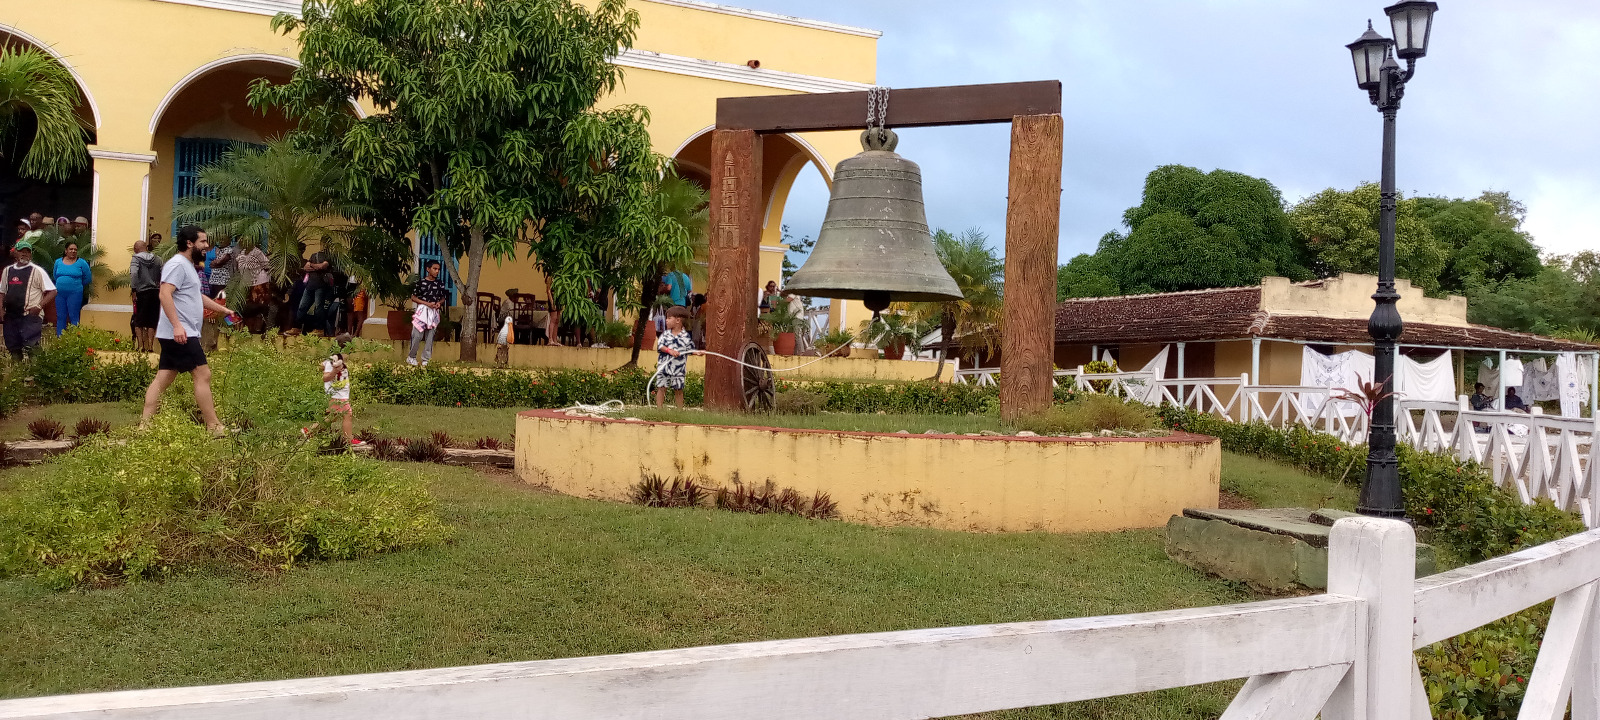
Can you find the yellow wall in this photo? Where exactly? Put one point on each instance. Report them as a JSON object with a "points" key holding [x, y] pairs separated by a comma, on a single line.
{"points": [[1349, 296], [128, 60], [950, 482]]}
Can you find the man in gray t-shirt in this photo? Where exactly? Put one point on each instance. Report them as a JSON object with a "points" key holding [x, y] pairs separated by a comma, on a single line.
{"points": [[183, 308]]}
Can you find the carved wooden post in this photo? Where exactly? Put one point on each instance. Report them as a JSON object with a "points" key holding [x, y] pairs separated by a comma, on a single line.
{"points": [[1033, 223], [735, 240]]}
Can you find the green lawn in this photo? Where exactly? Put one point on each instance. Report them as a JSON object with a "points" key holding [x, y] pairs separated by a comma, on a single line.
{"points": [[829, 421], [390, 420], [1271, 484], [533, 575]]}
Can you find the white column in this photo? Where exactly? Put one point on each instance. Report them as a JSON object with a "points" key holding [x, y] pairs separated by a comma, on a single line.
{"points": [[1255, 360], [1500, 395], [1181, 393]]}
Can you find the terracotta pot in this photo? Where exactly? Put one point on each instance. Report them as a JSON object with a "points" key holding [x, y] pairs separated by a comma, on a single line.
{"points": [[399, 325], [785, 343], [649, 343], [894, 351]]}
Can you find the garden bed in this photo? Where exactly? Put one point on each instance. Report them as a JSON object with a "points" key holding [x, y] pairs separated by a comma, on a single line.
{"points": [[943, 480]]}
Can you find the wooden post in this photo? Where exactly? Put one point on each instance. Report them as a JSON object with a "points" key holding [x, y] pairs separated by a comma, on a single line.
{"points": [[1033, 226], [735, 240], [1375, 559]]}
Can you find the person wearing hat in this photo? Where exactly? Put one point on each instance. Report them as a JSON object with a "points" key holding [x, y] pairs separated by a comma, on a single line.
{"points": [[27, 289]]}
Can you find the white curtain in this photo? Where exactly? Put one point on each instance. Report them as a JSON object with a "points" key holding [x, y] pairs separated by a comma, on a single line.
{"points": [[1343, 371], [1431, 380]]}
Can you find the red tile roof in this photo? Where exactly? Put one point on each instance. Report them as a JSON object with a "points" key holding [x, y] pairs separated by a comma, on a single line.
{"points": [[1235, 313]]}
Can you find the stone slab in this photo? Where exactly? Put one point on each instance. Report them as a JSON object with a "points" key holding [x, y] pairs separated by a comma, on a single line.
{"points": [[1273, 550], [1294, 522]]}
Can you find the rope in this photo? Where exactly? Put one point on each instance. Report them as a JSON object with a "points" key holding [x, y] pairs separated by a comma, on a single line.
{"points": [[876, 318]]}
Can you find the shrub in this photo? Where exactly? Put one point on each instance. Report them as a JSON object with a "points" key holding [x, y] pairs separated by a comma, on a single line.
{"points": [[45, 429], [71, 369], [138, 505], [90, 426], [487, 443], [459, 387], [835, 340], [278, 390], [920, 398], [442, 439], [770, 499], [1092, 413], [1456, 502], [1484, 673], [656, 491], [799, 402]]}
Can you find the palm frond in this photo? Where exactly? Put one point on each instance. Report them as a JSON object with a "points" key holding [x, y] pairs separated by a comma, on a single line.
{"points": [[32, 80]]}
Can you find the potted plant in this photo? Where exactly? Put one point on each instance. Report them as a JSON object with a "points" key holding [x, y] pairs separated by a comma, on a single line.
{"points": [[895, 333], [784, 323], [832, 340]]}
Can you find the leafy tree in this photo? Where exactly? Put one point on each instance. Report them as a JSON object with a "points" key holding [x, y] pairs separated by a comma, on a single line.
{"points": [[1192, 230], [797, 248], [1484, 238], [1339, 229], [32, 81], [486, 133], [979, 273], [288, 196], [1562, 299]]}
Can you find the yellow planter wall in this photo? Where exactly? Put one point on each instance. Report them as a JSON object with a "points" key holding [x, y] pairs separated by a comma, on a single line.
{"points": [[942, 481]]}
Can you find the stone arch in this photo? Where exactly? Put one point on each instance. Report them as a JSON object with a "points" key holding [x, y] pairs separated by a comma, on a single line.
{"points": [[83, 87]]}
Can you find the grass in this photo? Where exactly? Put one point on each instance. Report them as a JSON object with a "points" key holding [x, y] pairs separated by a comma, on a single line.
{"points": [[1271, 484], [15, 427], [828, 421], [533, 575]]}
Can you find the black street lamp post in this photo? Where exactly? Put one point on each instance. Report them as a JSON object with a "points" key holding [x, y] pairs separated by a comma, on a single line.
{"points": [[1385, 83]]}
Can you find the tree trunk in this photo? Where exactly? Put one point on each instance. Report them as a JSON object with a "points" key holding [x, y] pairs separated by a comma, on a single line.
{"points": [[647, 298], [469, 294], [552, 321], [947, 331]]}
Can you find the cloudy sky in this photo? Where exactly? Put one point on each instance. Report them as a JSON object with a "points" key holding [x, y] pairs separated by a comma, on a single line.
{"points": [[1507, 99]]}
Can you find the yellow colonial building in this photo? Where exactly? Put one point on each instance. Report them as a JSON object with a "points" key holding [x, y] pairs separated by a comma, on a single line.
{"points": [[164, 83]]}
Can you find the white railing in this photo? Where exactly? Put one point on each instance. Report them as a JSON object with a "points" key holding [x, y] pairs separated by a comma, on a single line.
{"points": [[1346, 654], [1533, 454]]}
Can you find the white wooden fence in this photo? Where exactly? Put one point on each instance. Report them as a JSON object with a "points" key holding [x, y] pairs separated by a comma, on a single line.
{"points": [[1533, 454], [1347, 654]]}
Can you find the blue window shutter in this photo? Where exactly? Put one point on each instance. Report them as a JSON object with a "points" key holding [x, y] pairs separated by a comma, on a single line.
{"points": [[189, 156], [428, 249]]}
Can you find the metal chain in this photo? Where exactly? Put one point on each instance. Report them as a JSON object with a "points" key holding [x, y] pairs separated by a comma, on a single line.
{"points": [[877, 106]]}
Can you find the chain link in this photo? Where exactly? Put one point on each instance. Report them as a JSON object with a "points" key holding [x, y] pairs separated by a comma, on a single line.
{"points": [[877, 106]]}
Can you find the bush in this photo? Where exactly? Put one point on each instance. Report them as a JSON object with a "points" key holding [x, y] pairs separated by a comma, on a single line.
{"points": [[1484, 673], [439, 385], [799, 402], [139, 505], [1092, 413], [277, 390], [70, 369], [915, 398], [46, 429], [1456, 502]]}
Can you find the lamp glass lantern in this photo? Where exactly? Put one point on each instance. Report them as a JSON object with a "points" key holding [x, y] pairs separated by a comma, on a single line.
{"points": [[1368, 52], [1412, 21]]}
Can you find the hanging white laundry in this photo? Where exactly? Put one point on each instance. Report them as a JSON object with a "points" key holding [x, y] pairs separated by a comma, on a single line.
{"points": [[1489, 375], [1157, 367], [1571, 385], [1107, 359], [1318, 370], [1358, 368], [1430, 380], [1585, 376], [1511, 374], [1539, 382]]}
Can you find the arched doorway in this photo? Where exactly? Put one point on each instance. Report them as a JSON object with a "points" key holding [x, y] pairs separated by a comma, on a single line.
{"points": [[784, 158], [20, 196], [201, 117]]}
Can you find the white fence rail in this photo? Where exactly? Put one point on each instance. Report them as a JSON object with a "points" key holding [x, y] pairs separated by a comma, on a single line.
{"points": [[1533, 454], [1346, 654]]}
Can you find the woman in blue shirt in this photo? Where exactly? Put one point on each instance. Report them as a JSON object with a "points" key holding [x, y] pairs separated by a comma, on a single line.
{"points": [[73, 278]]}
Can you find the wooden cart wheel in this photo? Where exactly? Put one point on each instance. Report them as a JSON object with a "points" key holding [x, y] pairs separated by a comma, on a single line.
{"points": [[758, 386]]}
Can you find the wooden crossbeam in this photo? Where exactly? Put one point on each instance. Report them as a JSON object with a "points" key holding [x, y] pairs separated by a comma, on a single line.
{"points": [[911, 107]]}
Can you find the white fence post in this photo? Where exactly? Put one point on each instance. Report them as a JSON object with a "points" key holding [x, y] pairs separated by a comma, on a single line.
{"points": [[1375, 560]]}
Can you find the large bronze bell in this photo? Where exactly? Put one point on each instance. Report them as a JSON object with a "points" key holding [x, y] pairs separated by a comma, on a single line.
{"points": [[874, 245]]}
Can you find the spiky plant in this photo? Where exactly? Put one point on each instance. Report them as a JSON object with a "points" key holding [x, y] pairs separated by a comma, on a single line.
{"points": [[1367, 395], [442, 439], [31, 80], [46, 429], [424, 450], [487, 443], [90, 426]]}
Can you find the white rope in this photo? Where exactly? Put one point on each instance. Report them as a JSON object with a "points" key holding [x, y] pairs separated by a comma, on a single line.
{"points": [[605, 408]]}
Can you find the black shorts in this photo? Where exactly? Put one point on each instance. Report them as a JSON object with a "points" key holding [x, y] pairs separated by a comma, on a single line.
{"points": [[182, 358], [146, 308]]}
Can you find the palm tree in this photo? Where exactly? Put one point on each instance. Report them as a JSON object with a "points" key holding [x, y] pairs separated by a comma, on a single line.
{"points": [[289, 196], [975, 318], [681, 207], [33, 81]]}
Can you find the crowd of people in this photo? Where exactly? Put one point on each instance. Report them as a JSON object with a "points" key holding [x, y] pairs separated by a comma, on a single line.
{"points": [[61, 244]]}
